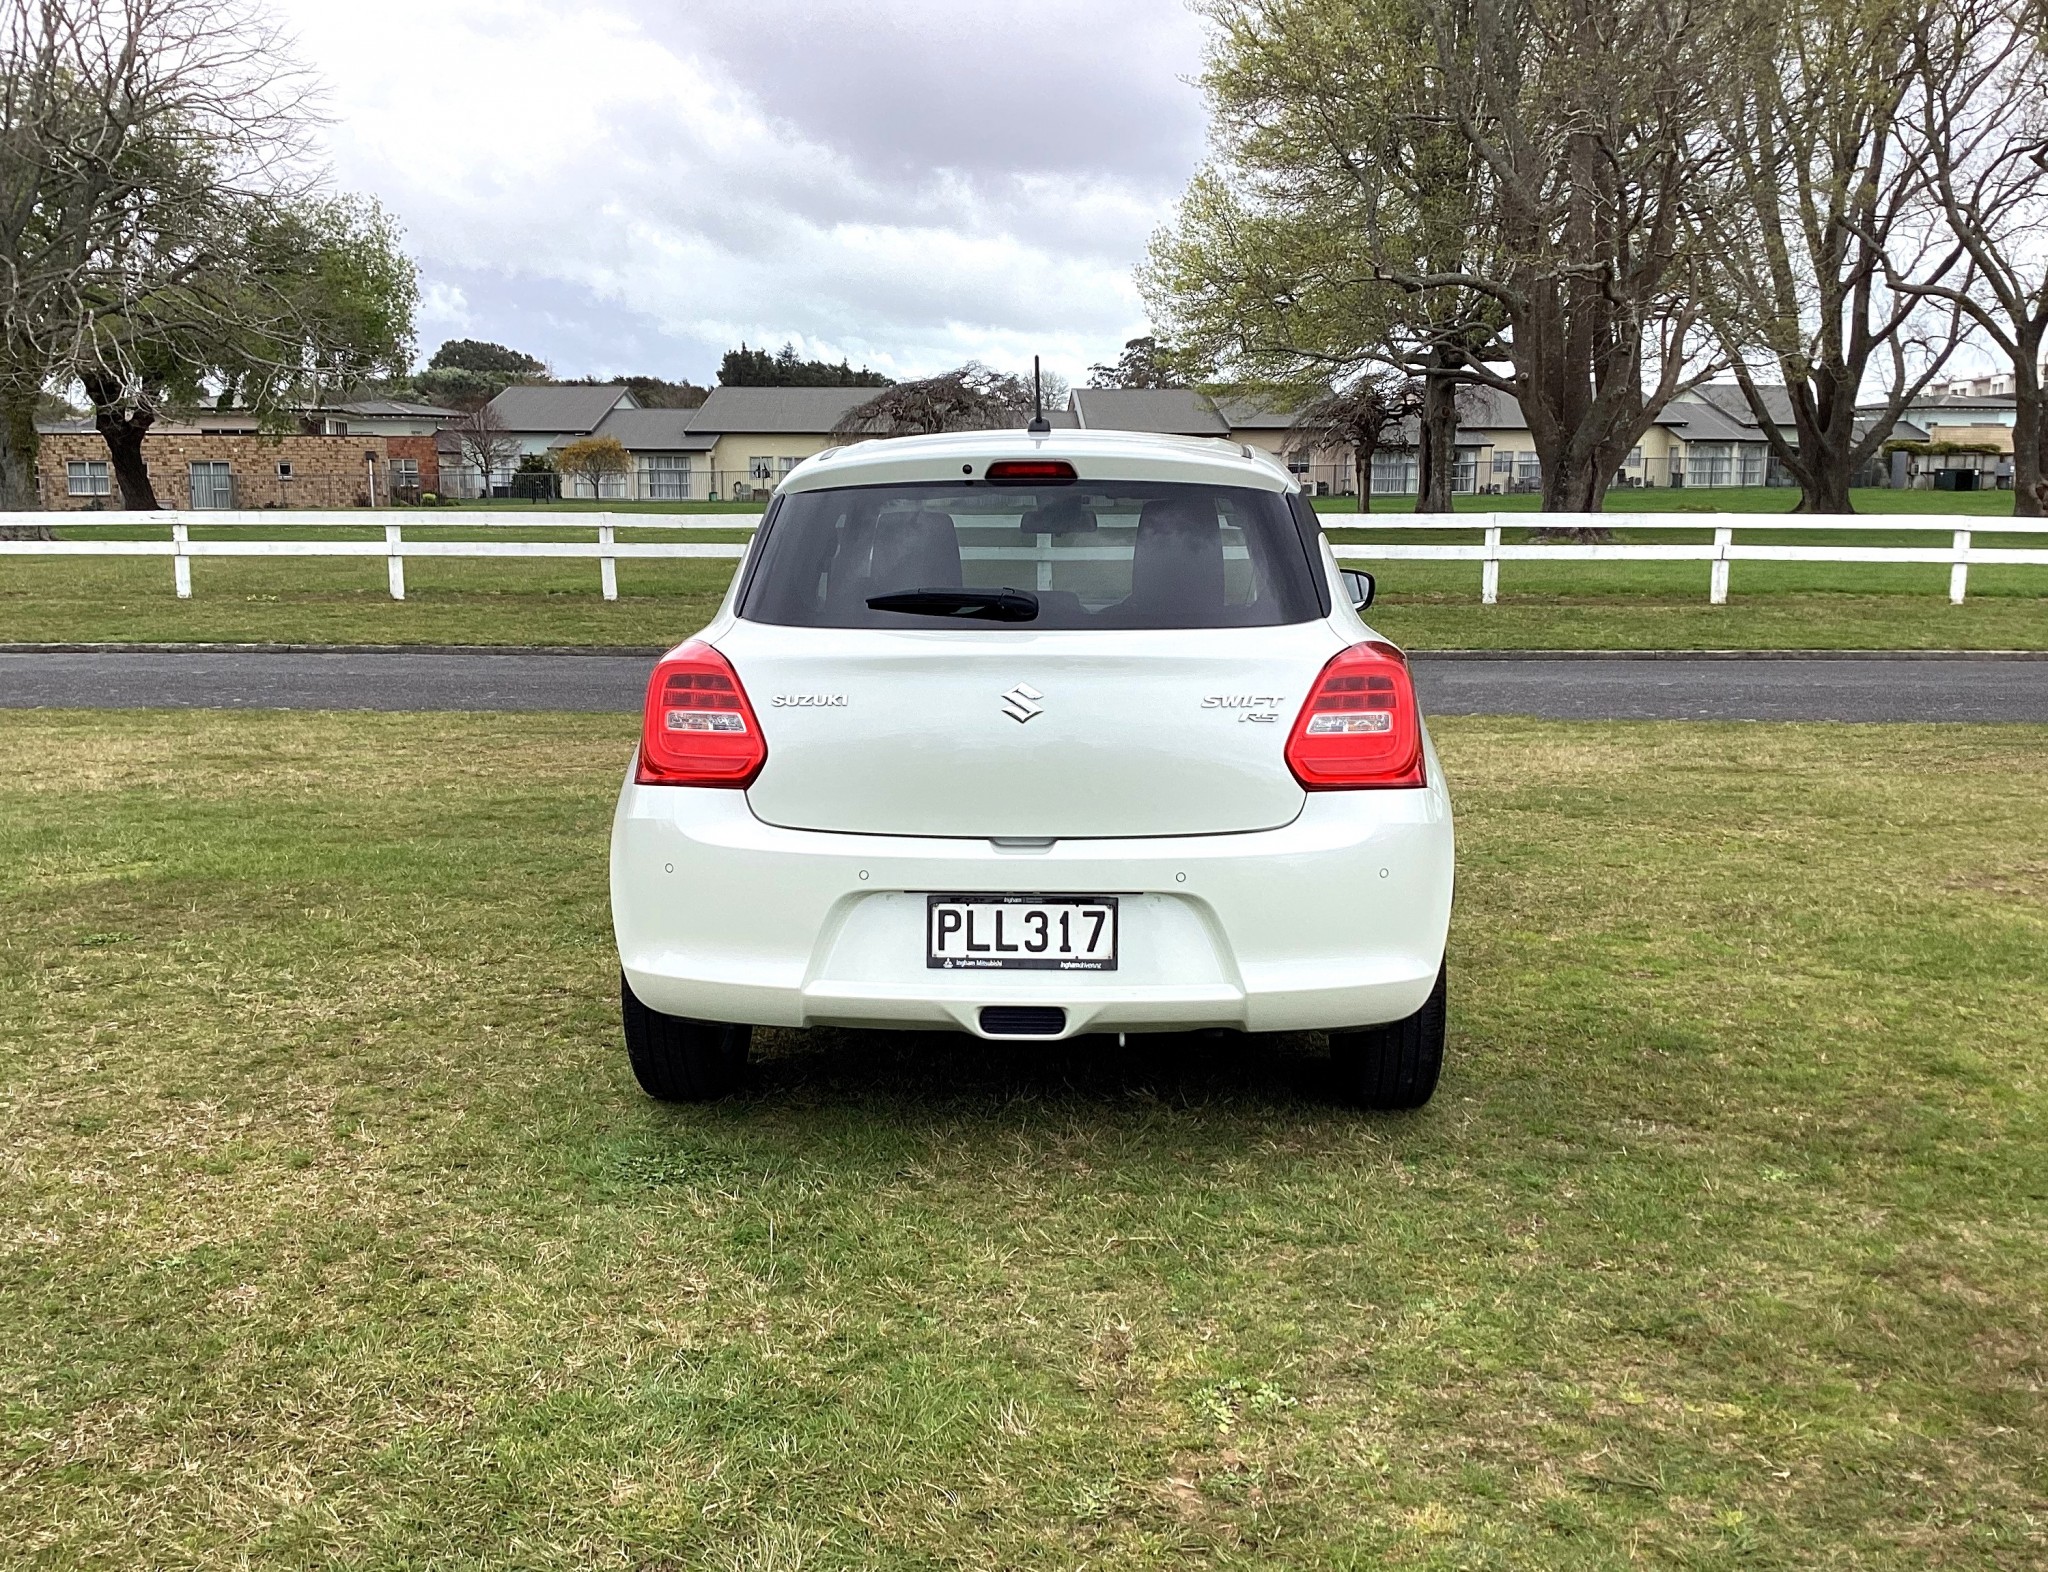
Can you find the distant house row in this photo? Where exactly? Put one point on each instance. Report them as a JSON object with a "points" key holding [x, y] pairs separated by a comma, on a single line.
{"points": [[741, 441]]}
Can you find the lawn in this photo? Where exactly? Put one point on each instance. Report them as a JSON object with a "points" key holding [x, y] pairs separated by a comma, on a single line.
{"points": [[333, 1233]]}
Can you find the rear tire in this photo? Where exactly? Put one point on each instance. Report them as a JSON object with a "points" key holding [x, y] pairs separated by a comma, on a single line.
{"points": [[677, 1060], [1394, 1066]]}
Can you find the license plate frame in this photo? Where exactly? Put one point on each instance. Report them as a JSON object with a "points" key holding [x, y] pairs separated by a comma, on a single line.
{"points": [[1013, 907]]}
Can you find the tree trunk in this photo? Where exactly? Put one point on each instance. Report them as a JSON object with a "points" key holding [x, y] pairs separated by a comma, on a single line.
{"points": [[1439, 445], [1574, 485], [124, 430], [1361, 457], [20, 489], [2029, 441], [1825, 488]]}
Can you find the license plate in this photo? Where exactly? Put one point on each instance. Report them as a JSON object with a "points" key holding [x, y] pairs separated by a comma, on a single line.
{"points": [[1047, 933]]}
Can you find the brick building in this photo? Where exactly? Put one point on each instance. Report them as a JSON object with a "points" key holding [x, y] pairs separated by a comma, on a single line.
{"points": [[233, 465]]}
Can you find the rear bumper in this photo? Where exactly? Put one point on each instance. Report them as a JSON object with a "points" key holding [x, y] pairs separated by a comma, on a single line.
{"points": [[1337, 919]]}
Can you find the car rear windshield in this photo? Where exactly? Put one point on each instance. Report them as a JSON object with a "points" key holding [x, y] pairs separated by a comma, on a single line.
{"points": [[1118, 554]]}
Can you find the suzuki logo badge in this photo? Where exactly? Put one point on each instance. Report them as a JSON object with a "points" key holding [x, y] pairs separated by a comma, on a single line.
{"points": [[1021, 703]]}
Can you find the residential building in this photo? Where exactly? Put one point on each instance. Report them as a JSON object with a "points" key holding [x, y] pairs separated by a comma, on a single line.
{"points": [[226, 462], [671, 463]]}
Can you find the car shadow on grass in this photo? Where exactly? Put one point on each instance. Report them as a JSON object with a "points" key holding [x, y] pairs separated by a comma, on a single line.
{"points": [[927, 1068]]}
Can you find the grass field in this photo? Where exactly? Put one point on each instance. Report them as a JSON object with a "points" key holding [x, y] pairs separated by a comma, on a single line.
{"points": [[333, 1233], [1425, 605]]}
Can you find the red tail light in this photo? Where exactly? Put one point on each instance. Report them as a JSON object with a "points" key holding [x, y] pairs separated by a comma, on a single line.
{"points": [[1359, 727], [1024, 471], [699, 729]]}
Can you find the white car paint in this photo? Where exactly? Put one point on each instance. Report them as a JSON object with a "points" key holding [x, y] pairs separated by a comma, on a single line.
{"points": [[897, 766]]}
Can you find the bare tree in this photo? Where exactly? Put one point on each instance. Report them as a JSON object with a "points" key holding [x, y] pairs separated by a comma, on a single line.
{"points": [[1827, 209], [973, 398], [486, 446], [1980, 127], [1372, 413]]}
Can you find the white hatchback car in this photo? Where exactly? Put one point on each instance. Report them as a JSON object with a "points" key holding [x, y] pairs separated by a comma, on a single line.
{"points": [[1029, 736]]}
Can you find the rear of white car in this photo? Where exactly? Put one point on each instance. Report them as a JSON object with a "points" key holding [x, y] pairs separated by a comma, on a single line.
{"points": [[1031, 736]]}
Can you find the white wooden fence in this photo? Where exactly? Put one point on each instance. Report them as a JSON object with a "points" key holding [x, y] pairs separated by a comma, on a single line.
{"points": [[1959, 553]]}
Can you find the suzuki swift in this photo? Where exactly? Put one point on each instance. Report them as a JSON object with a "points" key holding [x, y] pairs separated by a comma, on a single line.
{"points": [[1029, 736]]}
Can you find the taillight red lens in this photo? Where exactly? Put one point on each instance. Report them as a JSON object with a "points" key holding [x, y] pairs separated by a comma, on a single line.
{"points": [[698, 729], [1019, 471], [1359, 727]]}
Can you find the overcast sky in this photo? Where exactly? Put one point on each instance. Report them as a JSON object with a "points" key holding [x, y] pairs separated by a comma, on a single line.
{"points": [[637, 185]]}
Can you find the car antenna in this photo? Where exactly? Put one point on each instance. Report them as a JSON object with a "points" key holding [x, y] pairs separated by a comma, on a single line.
{"points": [[1039, 424]]}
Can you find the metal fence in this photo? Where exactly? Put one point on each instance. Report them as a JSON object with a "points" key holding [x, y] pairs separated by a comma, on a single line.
{"points": [[598, 541], [644, 483]]}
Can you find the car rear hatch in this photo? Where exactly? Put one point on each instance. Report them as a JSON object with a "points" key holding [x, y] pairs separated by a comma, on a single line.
{"points": [[1013, 733]]}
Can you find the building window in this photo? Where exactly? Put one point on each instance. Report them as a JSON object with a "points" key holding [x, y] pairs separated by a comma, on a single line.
{"points": [[761, 471], [284, 469], [212, 485], [1503, 466], [1528, 472], [405, 472], [1635, 458], [86, 477], [784, 465], [1393, 474], [668, 477], [1465, 472]]}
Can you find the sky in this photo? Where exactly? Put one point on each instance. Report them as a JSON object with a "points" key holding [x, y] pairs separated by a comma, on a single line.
{"points": [[633, 186]]}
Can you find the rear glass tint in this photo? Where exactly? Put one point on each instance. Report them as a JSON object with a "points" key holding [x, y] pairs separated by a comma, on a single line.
{"points": [[1120, 554]]}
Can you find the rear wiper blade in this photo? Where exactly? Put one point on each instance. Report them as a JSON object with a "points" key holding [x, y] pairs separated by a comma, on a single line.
{"points": [[985, 605]]}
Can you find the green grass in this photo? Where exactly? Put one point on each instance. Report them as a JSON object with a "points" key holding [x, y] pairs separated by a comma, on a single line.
{"points": [[333, 1233]]}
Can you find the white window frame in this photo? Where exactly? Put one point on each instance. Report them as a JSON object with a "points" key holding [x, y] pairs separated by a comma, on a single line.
{"points": [[87, 478]]}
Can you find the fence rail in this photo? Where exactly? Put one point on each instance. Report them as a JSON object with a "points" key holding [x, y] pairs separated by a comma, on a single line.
{"points": [[1959, 552]]}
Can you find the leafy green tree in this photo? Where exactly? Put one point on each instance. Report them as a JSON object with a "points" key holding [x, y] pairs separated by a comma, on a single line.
{"points": [[1143, 364], [1504, 191], [295, 300], [470, 354], [757, 368]]}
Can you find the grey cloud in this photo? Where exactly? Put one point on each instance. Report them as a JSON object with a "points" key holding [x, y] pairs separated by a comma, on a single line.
{"points": [[910, 185]]}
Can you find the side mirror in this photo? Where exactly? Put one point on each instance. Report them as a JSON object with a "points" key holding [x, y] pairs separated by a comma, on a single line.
{"points": [[1359, 585]]}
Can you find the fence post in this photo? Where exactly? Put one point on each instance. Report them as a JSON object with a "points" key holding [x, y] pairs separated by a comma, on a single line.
{"points": [[394, 560], [181, 564], [1489, 572], [608, 567], [1959, 575], [1717, 591]]}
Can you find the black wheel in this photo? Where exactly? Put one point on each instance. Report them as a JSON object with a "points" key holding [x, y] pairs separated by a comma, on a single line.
{"points": [[678, 1060], [1395, 1065]]}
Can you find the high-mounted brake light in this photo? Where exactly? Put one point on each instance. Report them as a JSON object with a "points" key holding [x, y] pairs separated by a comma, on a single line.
{"points": [[698, 729], [1359, 728], [1018, 471]]}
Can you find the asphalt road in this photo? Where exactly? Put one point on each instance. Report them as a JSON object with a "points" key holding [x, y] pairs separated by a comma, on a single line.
{"points": [[1869, 688]]}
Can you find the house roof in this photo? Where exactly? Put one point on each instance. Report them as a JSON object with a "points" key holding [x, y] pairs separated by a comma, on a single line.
{"points": [[1489, 409], [1250, 414], [1178, 412], [559, 409], [392, 409], [655, 431], [795, 411], [1709, 420]]}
